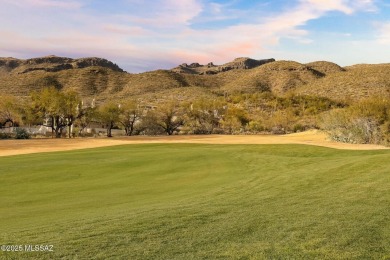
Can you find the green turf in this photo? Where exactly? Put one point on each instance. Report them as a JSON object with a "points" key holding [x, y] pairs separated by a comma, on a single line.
{"points": [[182, 201]]}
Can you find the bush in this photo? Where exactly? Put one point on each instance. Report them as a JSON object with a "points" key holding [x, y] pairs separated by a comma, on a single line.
{"points": [[255, 126], [345, 126], [298, 128], [369, 121], [22, 134], [5, 136]]}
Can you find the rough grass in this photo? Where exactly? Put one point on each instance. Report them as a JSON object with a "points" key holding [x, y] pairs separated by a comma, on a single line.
{"points": [[183, 201]]}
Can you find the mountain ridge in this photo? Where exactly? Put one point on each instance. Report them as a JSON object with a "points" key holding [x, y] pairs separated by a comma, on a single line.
{"points": [[105, 80], [211, 68], [53, 63]]}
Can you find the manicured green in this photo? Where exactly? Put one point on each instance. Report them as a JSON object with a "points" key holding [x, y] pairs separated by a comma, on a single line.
{"points": [[186, 201]]}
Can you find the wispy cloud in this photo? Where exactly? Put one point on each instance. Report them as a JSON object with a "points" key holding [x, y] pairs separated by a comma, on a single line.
{"points": [[46, 3], [163, 13], [383, 33], [141, 36]]}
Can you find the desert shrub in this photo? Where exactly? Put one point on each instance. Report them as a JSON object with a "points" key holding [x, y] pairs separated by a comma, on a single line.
{"points": [[218, 131], [298, 128], [231, 125], [234, 120], [200, 129], [22, 133], [281, 121], [255, 127], [149, 125], [345, 125], [202, 116], [377, 109], [5, 136], [308, 105], [278, 130]]}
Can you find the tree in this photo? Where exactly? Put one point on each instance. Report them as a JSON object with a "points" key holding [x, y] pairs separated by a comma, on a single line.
{"points": [[71, 105], [86, 115], [234, 120], [109, 115], [130, 114], [203, 115], [169, 117], [55, 109], [10, 111]]}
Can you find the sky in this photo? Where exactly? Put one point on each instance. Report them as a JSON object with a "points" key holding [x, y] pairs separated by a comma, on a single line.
{"points": [[161, 34]]}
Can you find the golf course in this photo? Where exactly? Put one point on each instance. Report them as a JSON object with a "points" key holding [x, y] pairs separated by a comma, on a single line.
{"points": [[197, 201]]}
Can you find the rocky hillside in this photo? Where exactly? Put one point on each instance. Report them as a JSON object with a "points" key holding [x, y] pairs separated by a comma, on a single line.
{"points": [[211, 69], [102, 79], [53, 64]]}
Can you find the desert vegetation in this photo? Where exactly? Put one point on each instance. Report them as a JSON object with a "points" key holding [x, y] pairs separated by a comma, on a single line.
{"points": [[64, 113], [87, 97], [239, 113], [366, 121]]}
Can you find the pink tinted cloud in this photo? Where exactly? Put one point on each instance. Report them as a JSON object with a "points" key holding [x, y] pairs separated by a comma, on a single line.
{"points": [[253, 39], [164, 13], [163, 35], [328, 5], [126, 30]]}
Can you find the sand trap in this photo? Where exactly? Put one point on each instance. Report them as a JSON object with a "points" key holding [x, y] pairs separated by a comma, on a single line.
{"points": [[313, 137]]}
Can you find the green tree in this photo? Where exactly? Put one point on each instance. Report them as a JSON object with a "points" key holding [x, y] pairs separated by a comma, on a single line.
{"points": [[109, 115], [10, 111], [234, 120], [203, 115], [169, 117], [130, 114], [87, 114], [55, 109], [71, 104]]}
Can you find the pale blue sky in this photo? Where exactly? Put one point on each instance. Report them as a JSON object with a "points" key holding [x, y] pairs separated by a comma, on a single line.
{"points": [[146, 35]]}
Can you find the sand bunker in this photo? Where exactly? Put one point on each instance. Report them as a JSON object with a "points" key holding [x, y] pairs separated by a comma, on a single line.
{"points": [[313, 137]]}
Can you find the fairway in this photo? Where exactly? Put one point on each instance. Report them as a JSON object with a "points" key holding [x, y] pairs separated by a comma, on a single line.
{"points": [[197, 201]]}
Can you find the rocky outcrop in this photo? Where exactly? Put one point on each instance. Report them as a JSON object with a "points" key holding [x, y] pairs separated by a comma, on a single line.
{"points": [[53, 64], [9, 64], [244, 63], [210, 68]]}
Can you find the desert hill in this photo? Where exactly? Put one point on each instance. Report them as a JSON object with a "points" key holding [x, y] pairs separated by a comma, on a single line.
{"points": [[53, 64], [211, 69], [353, 82], [103, 79]]}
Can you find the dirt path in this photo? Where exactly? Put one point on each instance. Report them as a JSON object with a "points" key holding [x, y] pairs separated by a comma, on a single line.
{"points": [[14, 147]]}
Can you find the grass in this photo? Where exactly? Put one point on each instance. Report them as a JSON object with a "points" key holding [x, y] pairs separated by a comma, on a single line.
{"points": [[183, 201]]}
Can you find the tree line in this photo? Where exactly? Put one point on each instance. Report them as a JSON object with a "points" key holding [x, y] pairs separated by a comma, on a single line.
{"points": [[58, 111], [366, 121]]}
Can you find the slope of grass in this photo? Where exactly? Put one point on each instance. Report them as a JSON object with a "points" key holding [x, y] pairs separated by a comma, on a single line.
{"points": [[183, 201]]}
